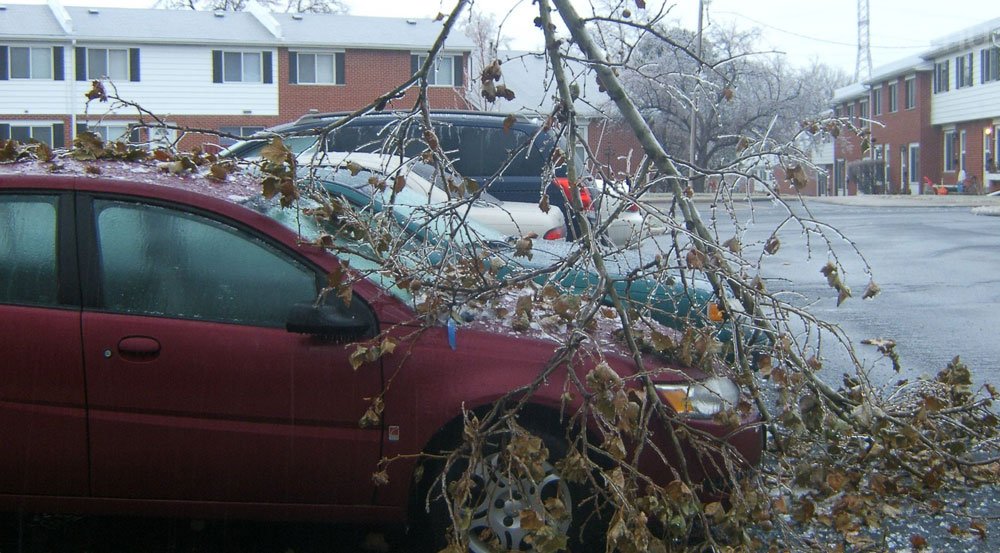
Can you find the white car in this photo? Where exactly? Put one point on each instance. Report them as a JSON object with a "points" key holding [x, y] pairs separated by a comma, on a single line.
{"points": [[633, 224], [510, 218]]}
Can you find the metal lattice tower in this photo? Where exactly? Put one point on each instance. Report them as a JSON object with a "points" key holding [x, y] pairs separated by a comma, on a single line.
{"points": [[863, 65]]}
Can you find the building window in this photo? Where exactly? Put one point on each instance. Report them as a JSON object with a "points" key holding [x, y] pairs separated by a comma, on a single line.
{"points": [[110, 132], [107, 63], [30, 63], [864, 113], [950, 159], [241, 67], [893, 97], [877, 100], [48, 133], [446, 71], [989, 65], [911, 92], [316, 68], [963, 70], [941, 82], [238, 131]]}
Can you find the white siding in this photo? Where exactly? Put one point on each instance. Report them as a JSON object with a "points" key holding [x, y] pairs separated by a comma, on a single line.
{"points": [[177, 80], [978, 101], [37, 96], [174, 80]]}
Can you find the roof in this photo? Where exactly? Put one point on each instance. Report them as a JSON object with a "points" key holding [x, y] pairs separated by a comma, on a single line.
{"points": [[850, 92], [235, 187], [29, 21], [153, 26], [321, 29], [979, 34], [903, 66]]}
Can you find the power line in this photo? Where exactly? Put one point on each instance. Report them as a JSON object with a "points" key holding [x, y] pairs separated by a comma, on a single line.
{"points": [[925, 44]]}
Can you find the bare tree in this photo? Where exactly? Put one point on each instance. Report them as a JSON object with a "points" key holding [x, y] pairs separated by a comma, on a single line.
{"points": [[737, 94]]}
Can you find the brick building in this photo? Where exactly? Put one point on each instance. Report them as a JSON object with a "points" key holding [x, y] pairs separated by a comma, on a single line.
{"points": [[932, 118]]}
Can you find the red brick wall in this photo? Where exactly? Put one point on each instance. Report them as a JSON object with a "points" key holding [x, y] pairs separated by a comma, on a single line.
{"points": [[368, 74], [900, 128], [614, 145]]}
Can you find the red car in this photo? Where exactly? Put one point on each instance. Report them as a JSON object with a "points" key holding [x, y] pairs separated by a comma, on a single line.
{"points": [[160, 356]]}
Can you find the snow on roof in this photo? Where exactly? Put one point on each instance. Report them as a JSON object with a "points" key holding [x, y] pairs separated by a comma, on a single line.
{"points": [[850, 92], [982, 33], [316, 29], [23, 21], [903, 66], [151, 26]]}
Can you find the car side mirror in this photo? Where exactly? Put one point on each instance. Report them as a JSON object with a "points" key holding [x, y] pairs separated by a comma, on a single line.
{"points": [[325, 320]]}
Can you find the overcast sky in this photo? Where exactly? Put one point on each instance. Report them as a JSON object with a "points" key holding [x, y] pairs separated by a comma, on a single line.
{"points": [[804, 30]]}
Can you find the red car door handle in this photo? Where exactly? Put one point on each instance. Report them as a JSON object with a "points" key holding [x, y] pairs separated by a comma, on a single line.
{"points": [[138, 348]]}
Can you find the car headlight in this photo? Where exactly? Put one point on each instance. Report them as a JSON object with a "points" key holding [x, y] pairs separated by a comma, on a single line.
{"points": [[700, 399]]}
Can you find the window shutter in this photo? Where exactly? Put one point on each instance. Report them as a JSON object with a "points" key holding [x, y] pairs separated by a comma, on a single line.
{"points": [[81, 128], [268, 78], [414, 63], [216, 66], [81, 63], [133, 64], [293, 67], [4, 131], [3, 63], [341, 77], [133, 136], [58, 64], [58, 138], [458, 62]]}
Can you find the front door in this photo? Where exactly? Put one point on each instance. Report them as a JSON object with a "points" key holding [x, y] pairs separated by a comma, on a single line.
{"points": [[196, 391], [914, 165]]}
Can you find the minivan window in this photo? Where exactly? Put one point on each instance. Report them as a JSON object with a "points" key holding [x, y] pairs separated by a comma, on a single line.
{"points": [[475, 150]]}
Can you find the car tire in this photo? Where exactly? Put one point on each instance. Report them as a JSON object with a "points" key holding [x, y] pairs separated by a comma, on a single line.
{"points": [[497, 502]]}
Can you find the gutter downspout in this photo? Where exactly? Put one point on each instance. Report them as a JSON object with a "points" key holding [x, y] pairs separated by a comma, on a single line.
{"points": [[66, 23]]}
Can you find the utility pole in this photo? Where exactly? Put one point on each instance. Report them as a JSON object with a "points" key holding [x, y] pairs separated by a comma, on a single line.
{"points": [[693, 122]]}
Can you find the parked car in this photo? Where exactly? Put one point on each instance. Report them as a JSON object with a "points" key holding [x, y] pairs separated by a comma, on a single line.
{"points": [[431, 187], [165, 353], [673, 300], [629, 225], [512, 160]]}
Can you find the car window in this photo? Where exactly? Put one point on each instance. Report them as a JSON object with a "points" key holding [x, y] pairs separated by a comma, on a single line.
{"points": [[251, 148], [28, 250], [375, 138], [476, 150], [167, 262]]}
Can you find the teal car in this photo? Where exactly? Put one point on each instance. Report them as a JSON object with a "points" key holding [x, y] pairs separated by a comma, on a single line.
{"points": [[423, 231]]}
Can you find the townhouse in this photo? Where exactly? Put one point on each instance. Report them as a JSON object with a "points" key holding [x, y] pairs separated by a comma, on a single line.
{"points": [[932, 119], [236, 72]]}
